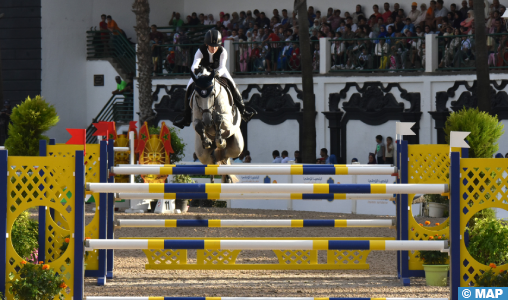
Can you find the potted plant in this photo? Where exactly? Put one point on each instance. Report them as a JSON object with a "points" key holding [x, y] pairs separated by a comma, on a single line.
{"points": [[37, 282], [435, 265], [182, 204], [436, 205]]}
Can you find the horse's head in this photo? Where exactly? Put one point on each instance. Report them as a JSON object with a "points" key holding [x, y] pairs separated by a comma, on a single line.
{"points": [[204, 84]]}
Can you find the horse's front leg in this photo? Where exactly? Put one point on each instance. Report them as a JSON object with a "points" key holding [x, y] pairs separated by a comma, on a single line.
{"points": [[200, 130], [218, 119]]}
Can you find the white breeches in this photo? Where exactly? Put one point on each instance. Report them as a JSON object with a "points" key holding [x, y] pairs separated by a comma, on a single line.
{"points": [[226, 74]]}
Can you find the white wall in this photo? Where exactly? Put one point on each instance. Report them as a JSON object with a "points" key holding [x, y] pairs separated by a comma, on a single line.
{"points": [[64, 64], [97, 96], [362, 142]]}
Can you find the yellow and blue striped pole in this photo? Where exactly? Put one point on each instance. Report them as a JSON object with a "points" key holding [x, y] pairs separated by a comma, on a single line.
{"points": [[254, 196], [92, 244], [281, 169], [316, 188], [255, 223]]}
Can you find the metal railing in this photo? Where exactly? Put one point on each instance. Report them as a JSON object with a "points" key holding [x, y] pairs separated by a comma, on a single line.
{"points": [[119, 108], [107, 44], [458, 52], [194, 33], [391, 54], [173, 60], [270, 57]]}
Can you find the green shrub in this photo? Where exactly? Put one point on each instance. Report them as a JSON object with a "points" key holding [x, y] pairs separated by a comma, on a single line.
{"points": [[492, 279], [485, 131], [488, 241], [176, 142], [38, 282], [29, 120], [25, 235]]}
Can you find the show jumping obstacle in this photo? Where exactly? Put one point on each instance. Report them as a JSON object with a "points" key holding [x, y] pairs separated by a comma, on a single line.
{"points": [[255, 223], [253, 196], [257, 170], [56, 181], [250, 298]]}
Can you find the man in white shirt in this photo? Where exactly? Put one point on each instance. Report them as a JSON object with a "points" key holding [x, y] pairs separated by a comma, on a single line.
{"points": [[439, 12], [276, 156], [285, 157], [414, 13]]}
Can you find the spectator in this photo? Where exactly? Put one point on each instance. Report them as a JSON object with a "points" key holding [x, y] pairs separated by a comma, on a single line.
{"points": [[499, 155], [414, 13], [409, 26], [120, 86], [194, 157], [263, 21], [429, 17], [103, 25], [112, 26], [276, 15], [285, 157], [355, 161], [389, 151], [297, 154], [335, 20], [316, 26], [506, 155], [495, 6], [420, 20], [377, 15], [286, 21], [209, 20], [372, 159], [154, 33], [194, 19], [468, 23], [240, 159], [387, 12], [311, 15], [464, 54], [357, 13], [380, 150], [324, 156], [395, 11], [175, 20], [398, 25], [354, 27], [440, 12], [276, 156], [241, 35], [226, 20], [247, 159], [156, 53], [329, 13], [463, 10], [298, 160]]}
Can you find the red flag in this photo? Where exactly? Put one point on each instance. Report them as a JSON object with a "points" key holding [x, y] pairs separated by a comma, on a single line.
{"points": [[165, 137], [78, 137], [102, 129], [144, 136], [111, 130]]}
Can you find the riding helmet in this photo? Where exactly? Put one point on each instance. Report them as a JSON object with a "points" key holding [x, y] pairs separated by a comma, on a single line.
{"points": [[213, 38]]}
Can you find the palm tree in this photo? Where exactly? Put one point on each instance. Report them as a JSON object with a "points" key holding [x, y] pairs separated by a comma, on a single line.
{"points": [[309, 101], [142, 10], [481, 57]]}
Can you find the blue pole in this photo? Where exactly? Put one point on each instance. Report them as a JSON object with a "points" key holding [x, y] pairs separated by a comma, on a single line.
{"points": [[42, 213], [111, 211], [3, 215], [103, 207], [404, 219], [455, 230], [79, 226]]}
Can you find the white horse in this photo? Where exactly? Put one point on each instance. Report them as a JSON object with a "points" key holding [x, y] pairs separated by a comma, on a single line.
{"points": [[216, 121]]}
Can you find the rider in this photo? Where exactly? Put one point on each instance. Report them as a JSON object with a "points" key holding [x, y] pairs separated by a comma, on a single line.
{"points": [[211, 55]]}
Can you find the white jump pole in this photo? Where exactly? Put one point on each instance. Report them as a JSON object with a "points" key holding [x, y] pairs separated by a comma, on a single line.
{"points": [[267, 188], [120, 149], [247, 170], [92, 244]]}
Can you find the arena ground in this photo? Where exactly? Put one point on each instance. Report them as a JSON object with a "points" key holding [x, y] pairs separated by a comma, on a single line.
{"points": [[131, 279]]}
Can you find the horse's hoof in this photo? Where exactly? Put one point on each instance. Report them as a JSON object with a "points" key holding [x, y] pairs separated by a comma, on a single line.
{"points": [[207, 144]]}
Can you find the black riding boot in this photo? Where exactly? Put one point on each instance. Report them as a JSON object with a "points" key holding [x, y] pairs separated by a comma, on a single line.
{"points": [[237, 98], [185, 118]]}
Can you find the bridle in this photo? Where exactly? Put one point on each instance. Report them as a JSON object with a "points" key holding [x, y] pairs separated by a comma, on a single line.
{"points": [[214, 95]]}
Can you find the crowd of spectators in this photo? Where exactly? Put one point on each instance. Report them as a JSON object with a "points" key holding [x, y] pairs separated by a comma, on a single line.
{"points": [[389, 38]]}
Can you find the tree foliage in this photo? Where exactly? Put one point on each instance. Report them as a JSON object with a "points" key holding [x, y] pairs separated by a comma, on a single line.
{"points": [[25, 235], [29, 120], [485, 131], [488, 241]]}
